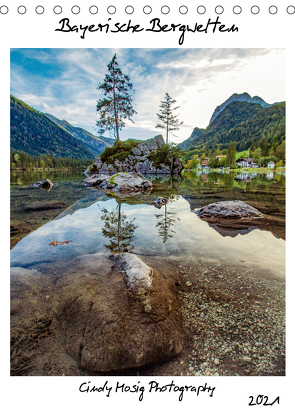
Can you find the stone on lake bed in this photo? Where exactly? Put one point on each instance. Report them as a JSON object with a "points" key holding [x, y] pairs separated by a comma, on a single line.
{"points": [[235, 209], [118, 313], [50, 205]]}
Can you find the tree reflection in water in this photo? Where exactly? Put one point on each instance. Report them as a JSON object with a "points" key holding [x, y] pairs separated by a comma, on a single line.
{"points": [[165, 222], [119, 231]]}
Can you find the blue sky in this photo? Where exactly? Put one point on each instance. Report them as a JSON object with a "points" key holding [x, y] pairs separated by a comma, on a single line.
{"points": [[63, 82]]}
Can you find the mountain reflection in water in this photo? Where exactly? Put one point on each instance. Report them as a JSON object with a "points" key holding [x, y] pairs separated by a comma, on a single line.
{"points": [[100, 223]]}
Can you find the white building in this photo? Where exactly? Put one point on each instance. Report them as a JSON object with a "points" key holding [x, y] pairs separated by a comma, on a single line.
{"points": [[244, 162]]}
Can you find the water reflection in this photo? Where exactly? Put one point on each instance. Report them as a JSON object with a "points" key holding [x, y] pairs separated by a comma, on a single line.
{"points": [[265, 191], [173, 229], [245, 176], [119, 231], [166, 221], [26, 177], [111, 227]]}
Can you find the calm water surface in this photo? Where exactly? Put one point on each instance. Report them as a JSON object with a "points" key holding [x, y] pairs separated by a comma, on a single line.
{"points": [[93, 222]]}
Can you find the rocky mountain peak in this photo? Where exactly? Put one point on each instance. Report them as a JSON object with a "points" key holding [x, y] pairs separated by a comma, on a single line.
{"points": [[236, 97]]}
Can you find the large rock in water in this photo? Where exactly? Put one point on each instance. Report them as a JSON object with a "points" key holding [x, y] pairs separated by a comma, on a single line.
{"points": [[236, 217], [235, 209], [138, 161], [43, 184], [117, 312], [120, 183]]}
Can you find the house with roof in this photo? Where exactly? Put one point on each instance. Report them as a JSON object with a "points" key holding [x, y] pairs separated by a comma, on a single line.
{"points": [[245, 162], [205, 162], [271, 164]]}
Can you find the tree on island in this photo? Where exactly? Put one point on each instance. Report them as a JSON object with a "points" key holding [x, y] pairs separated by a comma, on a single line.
{"points": [[167, 120], [116, 106]]}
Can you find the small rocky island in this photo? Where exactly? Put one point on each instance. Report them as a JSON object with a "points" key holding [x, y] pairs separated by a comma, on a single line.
{"points": [[152, 156]]}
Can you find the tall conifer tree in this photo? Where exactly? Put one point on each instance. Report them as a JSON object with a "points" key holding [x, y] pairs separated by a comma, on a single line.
{"points": [[116, 106], [167, 120]]}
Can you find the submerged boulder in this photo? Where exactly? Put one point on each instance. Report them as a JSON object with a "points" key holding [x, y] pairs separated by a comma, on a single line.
{"points": [[118, 313], [235, 209], [50, 205]]}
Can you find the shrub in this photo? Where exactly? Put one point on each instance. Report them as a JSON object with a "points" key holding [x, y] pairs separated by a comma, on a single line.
{"points": [[119, 151], [93, 168]]}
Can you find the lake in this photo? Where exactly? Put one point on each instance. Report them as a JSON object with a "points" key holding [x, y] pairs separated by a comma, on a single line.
{"points": [[86, 221], [172, 229]]}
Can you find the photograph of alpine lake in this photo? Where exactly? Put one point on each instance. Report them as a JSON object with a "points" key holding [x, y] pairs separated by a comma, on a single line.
{"points": [[147, 212]]}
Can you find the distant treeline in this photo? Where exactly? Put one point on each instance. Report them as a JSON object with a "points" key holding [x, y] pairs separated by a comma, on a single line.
{"points": [[20, 160]]}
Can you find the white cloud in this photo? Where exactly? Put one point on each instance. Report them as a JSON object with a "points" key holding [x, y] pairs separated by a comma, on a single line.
{"points": [[198, 79]]}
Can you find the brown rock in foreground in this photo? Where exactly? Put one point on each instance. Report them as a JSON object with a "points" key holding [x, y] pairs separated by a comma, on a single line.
{"points": [[100, 314], [110, 323]]}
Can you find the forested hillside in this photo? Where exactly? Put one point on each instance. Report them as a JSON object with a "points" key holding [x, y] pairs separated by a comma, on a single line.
{"points": [[32, 132], [192, 139], [94, 143], [247, 124]]}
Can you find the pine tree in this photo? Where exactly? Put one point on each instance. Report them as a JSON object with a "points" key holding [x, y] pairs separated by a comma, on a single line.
{"points": [[167, 120], [116, 106]]}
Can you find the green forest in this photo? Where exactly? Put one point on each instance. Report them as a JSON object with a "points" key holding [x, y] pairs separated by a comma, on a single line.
{"points": [[260, 131], [23, 161], [33, 133]]}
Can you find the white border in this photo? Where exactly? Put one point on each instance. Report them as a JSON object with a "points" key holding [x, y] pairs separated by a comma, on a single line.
{"points": [[48, 397]]}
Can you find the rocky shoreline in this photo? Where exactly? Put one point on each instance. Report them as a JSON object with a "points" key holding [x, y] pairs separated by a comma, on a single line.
{"points": [[233, 322]]}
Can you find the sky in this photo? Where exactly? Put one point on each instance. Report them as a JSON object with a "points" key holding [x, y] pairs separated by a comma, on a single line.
{"points": [[63, 82]]}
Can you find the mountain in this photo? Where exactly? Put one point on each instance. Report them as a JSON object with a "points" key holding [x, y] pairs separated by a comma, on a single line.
{"points": [[35, 133], [245, 123], [195, 134], [94, 143], [244, 97]]}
